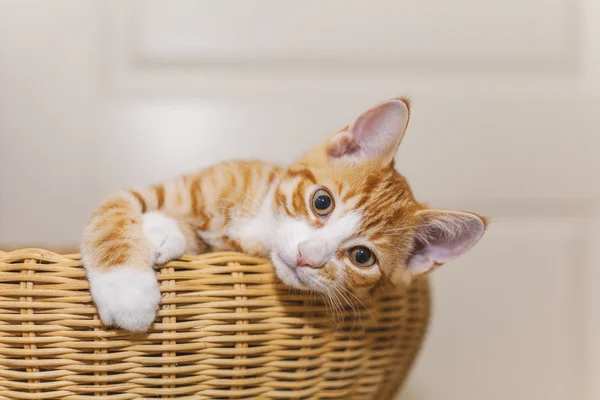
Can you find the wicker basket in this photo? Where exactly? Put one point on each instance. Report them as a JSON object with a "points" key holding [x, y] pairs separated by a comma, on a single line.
{"points": [[226, 329]]}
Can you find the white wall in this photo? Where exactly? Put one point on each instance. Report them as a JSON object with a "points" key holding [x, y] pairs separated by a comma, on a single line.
{"points": [[95, 95]]}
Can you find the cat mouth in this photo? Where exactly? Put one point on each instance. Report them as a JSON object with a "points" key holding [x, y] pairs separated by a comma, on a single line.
{"points": [[286, 272]]}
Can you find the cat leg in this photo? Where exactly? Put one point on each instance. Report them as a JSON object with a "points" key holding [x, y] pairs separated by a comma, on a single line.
{"points": [[170, 238]]}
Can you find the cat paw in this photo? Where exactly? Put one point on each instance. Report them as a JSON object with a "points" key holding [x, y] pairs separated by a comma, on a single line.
{"points": [[167, 240], [126, 297]]}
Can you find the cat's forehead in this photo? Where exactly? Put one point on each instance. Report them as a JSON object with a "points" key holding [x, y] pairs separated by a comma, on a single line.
{"points": [[380, 194], [385, 199]]}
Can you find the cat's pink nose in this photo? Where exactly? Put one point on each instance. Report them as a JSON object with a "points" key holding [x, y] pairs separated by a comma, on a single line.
{"points": [[305, 261]]}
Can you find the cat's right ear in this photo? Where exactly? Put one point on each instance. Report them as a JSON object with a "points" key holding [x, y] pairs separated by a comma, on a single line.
{"points": [[442, 236], [374, 136]]}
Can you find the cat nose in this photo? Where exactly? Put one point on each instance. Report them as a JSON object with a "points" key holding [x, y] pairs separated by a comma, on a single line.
{"points": [[302, 262], [305, 261]]}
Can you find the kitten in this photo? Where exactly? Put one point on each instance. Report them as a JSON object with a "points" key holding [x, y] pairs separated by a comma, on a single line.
{"points": [[339, 217]]}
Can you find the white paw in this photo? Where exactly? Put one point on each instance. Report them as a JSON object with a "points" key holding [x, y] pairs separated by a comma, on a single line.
{"points": [[126, 297], [168, 242]]}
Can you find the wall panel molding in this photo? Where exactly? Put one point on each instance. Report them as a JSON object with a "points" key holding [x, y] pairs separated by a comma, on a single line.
{"points": [[472, 35], [181, 47]]}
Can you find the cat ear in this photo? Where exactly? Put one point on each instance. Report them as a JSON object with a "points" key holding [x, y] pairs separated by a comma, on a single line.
{"points": [[443, 236], [375, 134]]}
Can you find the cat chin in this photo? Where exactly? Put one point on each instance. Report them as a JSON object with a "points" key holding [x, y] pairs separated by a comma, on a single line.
{"points": [[286, 273]]}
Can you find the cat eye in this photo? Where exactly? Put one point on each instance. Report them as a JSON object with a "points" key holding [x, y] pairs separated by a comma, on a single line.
{"points": [[322, 202], [362, 257]]}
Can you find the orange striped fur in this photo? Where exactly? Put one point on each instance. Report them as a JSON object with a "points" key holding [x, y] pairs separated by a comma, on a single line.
{"points": [[317, 220]]}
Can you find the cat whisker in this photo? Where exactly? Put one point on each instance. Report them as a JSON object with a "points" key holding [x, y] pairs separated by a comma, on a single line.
{"points": [[242, 206], [403, 229], [237, 203], [355, 311], [337, 288], [257, 203], [329, 305], [241, 212], [256, 172], [335, 307], [250, 211], [360, 302], [340, 298]]}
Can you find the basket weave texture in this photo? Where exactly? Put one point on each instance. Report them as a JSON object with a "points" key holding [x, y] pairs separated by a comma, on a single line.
{"points": [[226, 329]]}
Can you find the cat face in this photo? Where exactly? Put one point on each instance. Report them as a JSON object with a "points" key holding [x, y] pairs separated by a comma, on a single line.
{"points": [[347, 220]]}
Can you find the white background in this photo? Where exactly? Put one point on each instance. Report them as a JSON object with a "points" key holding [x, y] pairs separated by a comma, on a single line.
{"points": [[506, 97]]}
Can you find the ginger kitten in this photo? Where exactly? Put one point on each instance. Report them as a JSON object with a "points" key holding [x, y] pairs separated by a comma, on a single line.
{"points": [[341, 216]]}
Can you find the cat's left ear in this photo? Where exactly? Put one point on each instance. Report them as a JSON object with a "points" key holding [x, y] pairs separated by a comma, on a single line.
{"points": [[443, 236], [374, 135]]}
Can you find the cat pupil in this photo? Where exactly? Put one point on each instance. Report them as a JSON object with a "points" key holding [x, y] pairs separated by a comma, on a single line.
{"points": [[322, 202], [362, 255]]}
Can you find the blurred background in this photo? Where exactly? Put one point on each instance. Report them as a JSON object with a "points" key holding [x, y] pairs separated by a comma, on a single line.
{"points": [[95, 95]]}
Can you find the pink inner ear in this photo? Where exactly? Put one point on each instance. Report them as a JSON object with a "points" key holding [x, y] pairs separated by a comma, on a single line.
{"points": [[370, 123], [346, 145], [445, 238], [379, 130], [375, 134]]}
